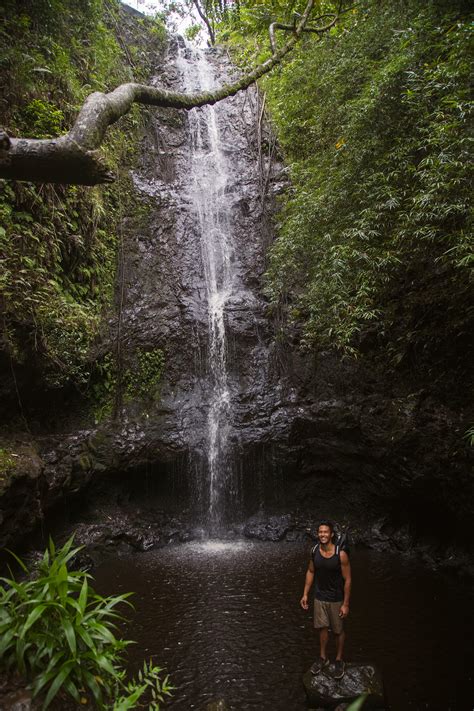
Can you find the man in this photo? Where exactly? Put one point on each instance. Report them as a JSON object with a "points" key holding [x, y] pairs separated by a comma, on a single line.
{"points": [[330, 570]]}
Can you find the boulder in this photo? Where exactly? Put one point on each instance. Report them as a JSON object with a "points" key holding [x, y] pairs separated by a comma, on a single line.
{"points": [[18, 700], [324, 691], [273, 528]]}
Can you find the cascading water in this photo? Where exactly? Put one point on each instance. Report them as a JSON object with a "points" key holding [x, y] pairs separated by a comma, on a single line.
{"points": [[206, 185], [198, 294]]}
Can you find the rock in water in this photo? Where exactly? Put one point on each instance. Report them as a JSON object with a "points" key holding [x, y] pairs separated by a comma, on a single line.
{"points": [[323, 690]]}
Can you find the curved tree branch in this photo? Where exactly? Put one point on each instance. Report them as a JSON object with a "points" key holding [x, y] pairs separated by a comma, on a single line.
{"points": [[74, 157], [291, 28]]}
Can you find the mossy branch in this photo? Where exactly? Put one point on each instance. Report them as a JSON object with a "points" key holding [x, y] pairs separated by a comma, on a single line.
{"points": [[74, 158]]}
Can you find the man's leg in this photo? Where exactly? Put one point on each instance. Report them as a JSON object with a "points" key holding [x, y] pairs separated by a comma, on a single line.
{"points": [[323, 661], [321, 623], [340, 639], [323, 641]]}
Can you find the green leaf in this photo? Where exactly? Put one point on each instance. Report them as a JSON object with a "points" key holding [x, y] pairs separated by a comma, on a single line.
{"points": [[58, 682], [84, 635], [32, 617], [72, 690], [83, 597], [36, 618], [93, 686], [357, 704], [18, 560], [105, 663], [70, 634], [5, 640]]}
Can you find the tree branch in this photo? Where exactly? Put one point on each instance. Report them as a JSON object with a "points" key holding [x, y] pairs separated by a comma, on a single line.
{"points": [[74, 157], [291, 28], [206, 21]]}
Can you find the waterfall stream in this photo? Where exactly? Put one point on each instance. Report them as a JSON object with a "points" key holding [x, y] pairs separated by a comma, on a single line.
{"points": [[206, 186], [200, 293]]}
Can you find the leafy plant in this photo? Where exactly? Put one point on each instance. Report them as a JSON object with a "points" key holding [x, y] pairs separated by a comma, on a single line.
{"points": [[192, 32], [375, 232], [58, 244], [7, 462], [140, 381], [143, 379], [61, 635], [43, 119]]}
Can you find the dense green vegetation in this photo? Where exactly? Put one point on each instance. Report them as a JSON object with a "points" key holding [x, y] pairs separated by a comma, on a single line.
{"points": [[140, 380], [375, 242], [60, 635], [59, 244]]}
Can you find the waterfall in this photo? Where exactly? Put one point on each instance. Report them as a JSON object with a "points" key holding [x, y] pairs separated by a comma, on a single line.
{"points": [[206, 184]]}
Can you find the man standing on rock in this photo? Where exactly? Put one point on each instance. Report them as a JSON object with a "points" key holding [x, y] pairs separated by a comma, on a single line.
{"points": [[330, 570]]}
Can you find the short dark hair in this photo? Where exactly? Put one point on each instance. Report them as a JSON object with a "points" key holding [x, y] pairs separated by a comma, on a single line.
{"points": [[329, 524]]}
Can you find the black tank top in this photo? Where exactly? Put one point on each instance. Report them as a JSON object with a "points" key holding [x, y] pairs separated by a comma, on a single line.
{"points": [[328, 580]]}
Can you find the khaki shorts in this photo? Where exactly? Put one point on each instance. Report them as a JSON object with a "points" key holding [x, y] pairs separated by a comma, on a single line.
{"points": [[326, 614]]}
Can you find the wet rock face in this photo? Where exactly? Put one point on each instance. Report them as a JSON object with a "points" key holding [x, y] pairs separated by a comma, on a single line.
{"points": [[275, 528], [167, 299], [166, 303]]}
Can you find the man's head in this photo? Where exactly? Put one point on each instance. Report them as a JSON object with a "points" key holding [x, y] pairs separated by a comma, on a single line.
{"points": [[325, 531]]}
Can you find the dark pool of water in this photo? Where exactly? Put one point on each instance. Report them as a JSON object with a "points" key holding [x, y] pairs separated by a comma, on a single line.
{"points": [[224, 619]]}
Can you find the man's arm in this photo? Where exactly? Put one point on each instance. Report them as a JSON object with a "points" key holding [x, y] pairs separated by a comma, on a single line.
{"points": [[346, 574], [307, 585]]}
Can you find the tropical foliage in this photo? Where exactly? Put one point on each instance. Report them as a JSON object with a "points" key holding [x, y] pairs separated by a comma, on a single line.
{"points": [[139, 382], [375, 235], [61, 636], [58, 244]]}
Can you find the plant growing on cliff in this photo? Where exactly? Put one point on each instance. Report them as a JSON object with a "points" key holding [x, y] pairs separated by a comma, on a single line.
{"points": [[7, 463], [375, 242], [58, 244], [61, 635], [144, 379], [140, 381]]}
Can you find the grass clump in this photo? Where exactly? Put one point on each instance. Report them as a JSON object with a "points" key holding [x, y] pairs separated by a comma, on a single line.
{"points": [[60, 635]]}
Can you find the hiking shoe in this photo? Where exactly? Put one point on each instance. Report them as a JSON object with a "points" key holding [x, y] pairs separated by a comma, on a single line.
{"points": [[319, 665], [339, 669]]}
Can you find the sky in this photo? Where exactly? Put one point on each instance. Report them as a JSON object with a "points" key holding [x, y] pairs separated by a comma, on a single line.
{"points": [[149, 7]]}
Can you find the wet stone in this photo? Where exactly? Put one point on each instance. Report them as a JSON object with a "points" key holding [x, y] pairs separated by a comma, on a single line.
{"points": [[18, 700], [324, 691], [274, 528]]}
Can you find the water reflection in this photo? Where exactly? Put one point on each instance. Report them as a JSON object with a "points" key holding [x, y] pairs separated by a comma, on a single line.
{"points": [[213, 547]]}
